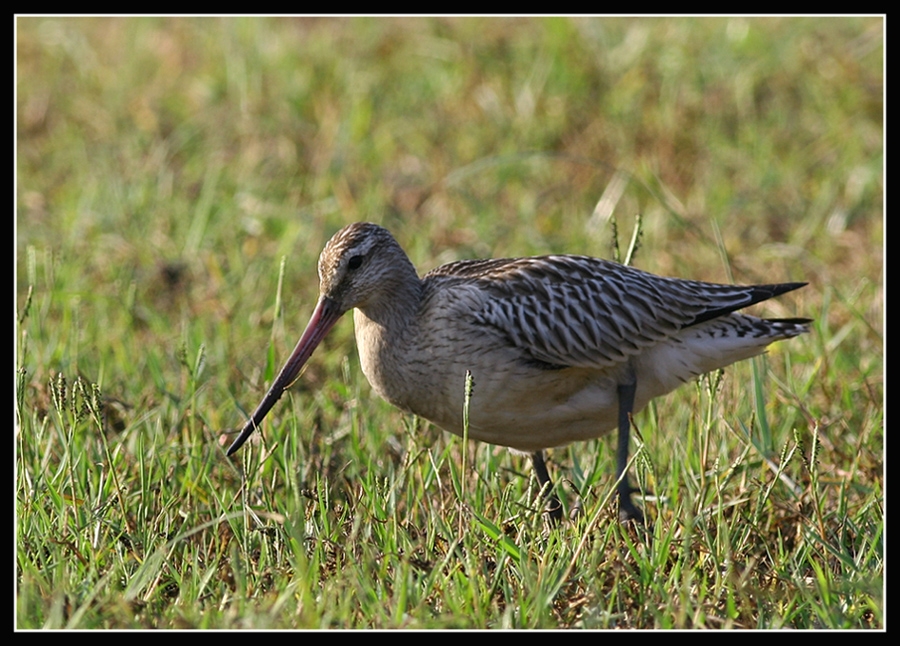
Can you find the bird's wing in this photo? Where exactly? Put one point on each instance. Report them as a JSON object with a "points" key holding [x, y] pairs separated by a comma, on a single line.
{"points": [[576, 311]]}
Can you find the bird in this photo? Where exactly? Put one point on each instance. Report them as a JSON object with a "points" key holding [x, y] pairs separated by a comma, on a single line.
{"points": [[561, 348]]}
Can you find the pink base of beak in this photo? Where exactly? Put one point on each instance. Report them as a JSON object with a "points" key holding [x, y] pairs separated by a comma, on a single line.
{"points": [[322, 320]]}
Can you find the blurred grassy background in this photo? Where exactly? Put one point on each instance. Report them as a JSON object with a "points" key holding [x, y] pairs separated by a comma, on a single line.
{"points": [[166, 166]]}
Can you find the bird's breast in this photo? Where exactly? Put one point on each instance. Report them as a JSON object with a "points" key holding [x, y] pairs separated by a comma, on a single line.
{"points": [[516, 401]]}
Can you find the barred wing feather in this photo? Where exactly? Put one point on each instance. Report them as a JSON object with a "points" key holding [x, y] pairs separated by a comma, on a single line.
{"points": [[576, 311]]}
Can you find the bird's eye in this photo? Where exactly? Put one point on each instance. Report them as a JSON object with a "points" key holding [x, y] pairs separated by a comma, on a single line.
{"points": [[354, 262]]}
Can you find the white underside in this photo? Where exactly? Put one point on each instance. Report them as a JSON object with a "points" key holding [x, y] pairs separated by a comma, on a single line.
{"points": [[528, 408]]}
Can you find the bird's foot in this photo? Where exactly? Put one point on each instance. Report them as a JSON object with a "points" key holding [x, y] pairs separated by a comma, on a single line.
{"points": [[627, 509], [553, 509], [630, 512]]}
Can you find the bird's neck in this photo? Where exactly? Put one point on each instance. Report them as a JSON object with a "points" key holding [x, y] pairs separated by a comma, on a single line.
{"points": [[385, 328], [397, 305]]}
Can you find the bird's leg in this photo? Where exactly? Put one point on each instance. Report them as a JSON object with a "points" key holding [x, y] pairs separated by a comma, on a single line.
{"points": [[627, 510], [554, 508]]}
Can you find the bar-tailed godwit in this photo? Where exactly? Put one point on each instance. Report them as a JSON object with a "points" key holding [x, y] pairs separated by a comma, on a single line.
{"points": [[561, 348]]}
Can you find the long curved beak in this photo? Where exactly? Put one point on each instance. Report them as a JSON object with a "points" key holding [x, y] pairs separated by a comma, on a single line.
{"points": [[323, 318]]}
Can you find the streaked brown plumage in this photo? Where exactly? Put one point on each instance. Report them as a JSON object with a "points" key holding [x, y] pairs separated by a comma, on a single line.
{"points": [[561, 348]]}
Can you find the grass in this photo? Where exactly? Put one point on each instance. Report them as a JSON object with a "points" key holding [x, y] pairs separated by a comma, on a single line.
{"points": [[177, 178]]}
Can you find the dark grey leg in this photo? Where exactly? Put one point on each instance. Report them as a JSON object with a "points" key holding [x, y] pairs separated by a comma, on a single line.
{"points": [[554, 508], [627, 510]]}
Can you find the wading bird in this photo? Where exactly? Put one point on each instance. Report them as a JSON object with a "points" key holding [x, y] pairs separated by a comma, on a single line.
{"points": [[561, 348]]}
